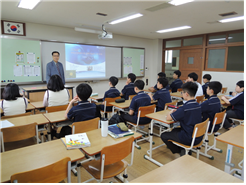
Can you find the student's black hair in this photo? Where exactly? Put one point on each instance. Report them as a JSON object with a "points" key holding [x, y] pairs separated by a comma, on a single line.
{"points": [[177, 72], [55, 83], [84, 91], [193, 75], [55, 52], [207, 76], [139, 84], [190, 88], [240, 83], [161, 74], [132, 76], [215, 86], [11, 92], [163, 81], [113, 80]]}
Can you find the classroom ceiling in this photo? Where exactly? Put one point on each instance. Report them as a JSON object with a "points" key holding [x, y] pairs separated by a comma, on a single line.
{"points": [[202, 16]]}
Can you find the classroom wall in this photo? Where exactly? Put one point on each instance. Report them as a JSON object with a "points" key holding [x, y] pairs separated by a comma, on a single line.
{"points": [[228, 79], [153, 49]]}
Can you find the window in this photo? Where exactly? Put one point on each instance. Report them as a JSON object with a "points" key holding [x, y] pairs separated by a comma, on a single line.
{"points": [[193, 41], [236, 37], [173, 43], [216, 58], [217, 39], [235, 59], [190, 60]]}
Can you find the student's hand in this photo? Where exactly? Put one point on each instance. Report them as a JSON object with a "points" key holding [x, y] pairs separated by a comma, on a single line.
{"points": [[150, 94], [224, 98], [75, 99], [172, 111], [234, 94]]}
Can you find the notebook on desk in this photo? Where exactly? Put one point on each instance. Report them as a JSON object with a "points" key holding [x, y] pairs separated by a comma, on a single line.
{"points": [[74, 141], [115, 132]]}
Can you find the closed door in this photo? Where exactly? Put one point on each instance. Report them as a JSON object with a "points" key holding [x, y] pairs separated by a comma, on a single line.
{"points": [[191, 61]]}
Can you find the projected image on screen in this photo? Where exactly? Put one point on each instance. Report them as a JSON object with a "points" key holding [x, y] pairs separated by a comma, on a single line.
{"points": [[84, 61]]}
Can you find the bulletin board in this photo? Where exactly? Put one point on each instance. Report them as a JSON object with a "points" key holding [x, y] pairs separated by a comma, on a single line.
{"points": [[133, 61], [20, 61]]}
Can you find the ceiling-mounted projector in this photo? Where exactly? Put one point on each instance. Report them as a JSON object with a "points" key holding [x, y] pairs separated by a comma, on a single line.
{"points": [[105, 34]]}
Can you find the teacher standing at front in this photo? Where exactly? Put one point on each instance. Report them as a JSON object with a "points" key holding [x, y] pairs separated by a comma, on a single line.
{"points": [[54, 67]]}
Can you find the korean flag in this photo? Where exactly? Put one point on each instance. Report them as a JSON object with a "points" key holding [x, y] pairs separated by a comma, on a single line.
{"points": [[13, 28]]}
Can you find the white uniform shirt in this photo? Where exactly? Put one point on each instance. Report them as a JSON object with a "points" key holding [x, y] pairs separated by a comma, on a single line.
{"points": [[52, 98], [199, 91], [14, 107]]}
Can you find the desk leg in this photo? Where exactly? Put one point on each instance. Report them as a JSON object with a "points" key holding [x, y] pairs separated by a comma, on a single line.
{"points": [[228, 164], [149, 157], [113, 111], [49, 132]]}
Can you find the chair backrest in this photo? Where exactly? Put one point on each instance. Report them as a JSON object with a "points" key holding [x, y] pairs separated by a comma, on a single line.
{"points": [[17, 115], [108, 100], [117, 152], [53, 173], [218, 119], [170, 90], [200, 129], [200, 99], [131, 96], [171, 103], [56, 108], [223, 90], [18, 133], [85, 126], [179, 89], [146, 110]]}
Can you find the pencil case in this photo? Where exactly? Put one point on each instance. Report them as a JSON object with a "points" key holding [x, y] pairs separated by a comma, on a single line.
{"points": [[120, 100], [122, 126]]}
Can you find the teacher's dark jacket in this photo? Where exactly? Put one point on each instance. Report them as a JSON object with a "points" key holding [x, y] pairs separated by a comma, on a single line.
{"points": [[51, 70]]}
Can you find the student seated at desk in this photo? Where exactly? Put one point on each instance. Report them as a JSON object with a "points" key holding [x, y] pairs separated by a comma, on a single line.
{"points": [[206, 79], [237, 102], [177, 83], [163, 95], [141, 99], [13, 103], [81, 112], [56, 94], [192, 77], [111, 93], [129, 87], [154, 89], [188, 115], [212, 106]]}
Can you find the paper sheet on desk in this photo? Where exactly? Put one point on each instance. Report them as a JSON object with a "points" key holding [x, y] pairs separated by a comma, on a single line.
{"points": [[5, 124]]}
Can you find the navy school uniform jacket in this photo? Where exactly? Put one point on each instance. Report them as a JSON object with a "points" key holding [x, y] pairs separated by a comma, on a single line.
{"points": [[176, 84], [188, 115], [111, 93], [140, 100], [167, 87], [128, 90], [83, 111], [209, 108], [163, 97], [237, 103], [204, 89]]}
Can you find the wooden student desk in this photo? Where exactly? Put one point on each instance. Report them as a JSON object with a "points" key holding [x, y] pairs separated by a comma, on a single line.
{"points": [[55, 117], [176, 95], [37, 93], [96, 98], [186, 169], [29, 107], [23, 120], [98, 142], [233, 137], [38, 104], [161, 117], [35, 156]]}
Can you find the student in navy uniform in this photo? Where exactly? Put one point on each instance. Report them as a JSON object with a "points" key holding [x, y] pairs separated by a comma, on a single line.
{"points": [[111, 93], [188, 115], [141, 99], [160, 75], [212, 106], [206, 80], [237, 102], [177, 83], [129, 87], [163, 95], [81, 112]]}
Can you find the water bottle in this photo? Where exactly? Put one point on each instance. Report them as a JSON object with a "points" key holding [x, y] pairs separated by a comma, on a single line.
{"points": [[104, 127]]}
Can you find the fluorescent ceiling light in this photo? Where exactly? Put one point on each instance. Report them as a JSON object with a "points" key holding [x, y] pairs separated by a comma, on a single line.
{"points": [[173, 29], [126, 18], [179, 2], [28, 4], [232, 19]]}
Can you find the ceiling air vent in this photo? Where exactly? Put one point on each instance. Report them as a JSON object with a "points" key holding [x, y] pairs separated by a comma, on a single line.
{"points": [[101, 14], [228, 14], [159, 7]]}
